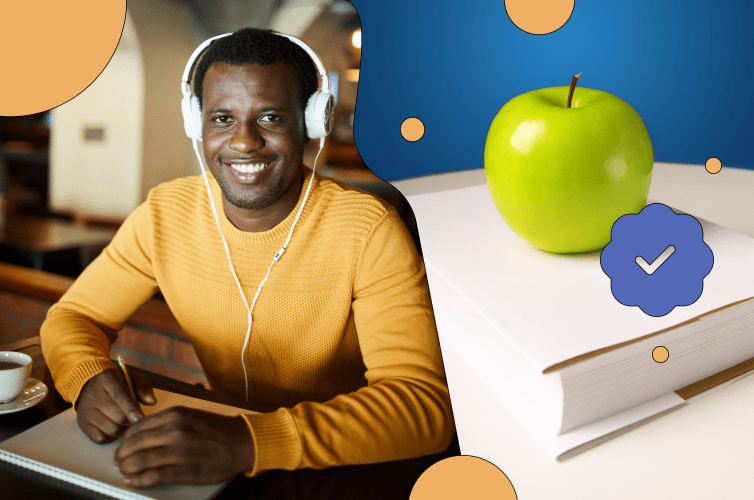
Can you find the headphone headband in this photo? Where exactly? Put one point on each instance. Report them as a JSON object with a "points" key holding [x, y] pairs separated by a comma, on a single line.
{"points": [[186, 82]]}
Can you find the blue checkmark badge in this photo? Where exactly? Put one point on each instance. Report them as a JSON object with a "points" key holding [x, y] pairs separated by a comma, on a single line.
{"points": [[657, 260]]}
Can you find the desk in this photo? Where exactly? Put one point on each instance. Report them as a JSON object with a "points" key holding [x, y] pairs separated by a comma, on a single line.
{"points": [[34, 238], [705, 450], [392, 480]]}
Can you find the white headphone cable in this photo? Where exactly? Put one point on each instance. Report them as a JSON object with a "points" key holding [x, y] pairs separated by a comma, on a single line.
{"points": [[274, 259]]}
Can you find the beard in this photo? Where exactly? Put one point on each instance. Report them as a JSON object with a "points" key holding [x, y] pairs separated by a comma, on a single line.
{"points": [[251, 200]]}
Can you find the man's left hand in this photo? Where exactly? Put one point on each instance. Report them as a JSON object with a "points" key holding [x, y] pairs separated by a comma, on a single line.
{"points": [[184, 446]]}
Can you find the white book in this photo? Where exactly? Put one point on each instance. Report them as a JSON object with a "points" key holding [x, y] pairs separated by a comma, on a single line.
{"points": [[545, 332], [59, 449]]}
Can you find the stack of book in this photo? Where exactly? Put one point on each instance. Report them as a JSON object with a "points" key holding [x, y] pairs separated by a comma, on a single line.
{"points": [[547, 335]]}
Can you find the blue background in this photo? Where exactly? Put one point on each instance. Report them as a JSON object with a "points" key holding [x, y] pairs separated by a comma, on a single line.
{"points": [[685, 66]]}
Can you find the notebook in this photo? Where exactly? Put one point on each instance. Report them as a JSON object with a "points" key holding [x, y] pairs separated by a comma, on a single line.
{"points": [[58, 448]]}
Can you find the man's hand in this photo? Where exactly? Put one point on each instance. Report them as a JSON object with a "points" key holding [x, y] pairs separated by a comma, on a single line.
{"points": [[105, 408], [184, 446]]}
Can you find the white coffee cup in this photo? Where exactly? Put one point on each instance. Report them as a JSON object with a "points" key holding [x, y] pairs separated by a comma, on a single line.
{"points": [[13, 378]]}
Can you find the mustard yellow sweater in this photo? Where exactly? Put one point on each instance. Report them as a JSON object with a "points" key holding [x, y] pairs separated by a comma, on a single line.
{"points": [[343, 338]]}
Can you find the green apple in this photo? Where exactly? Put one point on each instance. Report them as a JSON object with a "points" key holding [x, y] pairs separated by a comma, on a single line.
{"points": [[561, 175]]}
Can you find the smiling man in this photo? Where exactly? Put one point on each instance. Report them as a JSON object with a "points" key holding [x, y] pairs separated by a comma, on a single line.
{"points": [[343, 339], [259, 171]]}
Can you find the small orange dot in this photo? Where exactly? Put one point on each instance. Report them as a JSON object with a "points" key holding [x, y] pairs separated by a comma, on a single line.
{"points": [[713, 165], [412, 129], [539, 17], [463, 477], [660, 354]]}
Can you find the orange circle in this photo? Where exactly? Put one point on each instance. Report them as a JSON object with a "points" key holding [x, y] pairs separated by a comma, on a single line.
{"points": [[463, 477], [713, 165], [412, 129], [54, 50], [660, 354], [539, 17]]}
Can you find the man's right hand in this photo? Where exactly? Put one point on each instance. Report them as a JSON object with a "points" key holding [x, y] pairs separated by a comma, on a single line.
{"points": [[105, 408]]}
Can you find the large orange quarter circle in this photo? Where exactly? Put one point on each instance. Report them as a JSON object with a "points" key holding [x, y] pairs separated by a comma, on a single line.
{"points": [[51, 50]]}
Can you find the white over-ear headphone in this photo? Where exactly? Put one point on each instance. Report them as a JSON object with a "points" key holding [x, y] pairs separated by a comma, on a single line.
{"points": [[319, 108], [318, 119]]}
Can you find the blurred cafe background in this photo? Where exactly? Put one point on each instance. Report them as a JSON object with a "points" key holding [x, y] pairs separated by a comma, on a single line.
{"points": [[69, 177]]}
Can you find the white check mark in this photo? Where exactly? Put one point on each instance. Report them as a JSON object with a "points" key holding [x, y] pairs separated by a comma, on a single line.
{"points": [[651, 268]]}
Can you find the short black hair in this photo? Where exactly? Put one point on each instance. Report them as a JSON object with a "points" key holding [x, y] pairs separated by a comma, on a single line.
{"points": [[256, 46]]}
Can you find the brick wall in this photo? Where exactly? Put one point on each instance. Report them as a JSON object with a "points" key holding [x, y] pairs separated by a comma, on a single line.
{"points": [[154, 343], [20, 317], [160, 352]]}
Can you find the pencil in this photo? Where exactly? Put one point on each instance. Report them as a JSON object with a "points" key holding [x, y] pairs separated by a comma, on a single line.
{"points": [[127, 377]]}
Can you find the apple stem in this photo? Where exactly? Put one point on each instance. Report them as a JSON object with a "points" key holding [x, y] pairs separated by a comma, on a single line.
{"points": [[573, 86]]}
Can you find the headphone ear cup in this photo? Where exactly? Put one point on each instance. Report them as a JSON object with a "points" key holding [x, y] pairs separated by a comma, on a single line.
{"points": [[192, 117], [319, 114], [196, 116], [188, 123]]}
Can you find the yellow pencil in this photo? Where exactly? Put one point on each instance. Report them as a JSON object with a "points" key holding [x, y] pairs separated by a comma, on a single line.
{"points": [[127, 377]]}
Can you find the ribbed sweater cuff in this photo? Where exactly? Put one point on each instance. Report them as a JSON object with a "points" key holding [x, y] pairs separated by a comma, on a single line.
{"points": [[81, 374], [276, 441]]}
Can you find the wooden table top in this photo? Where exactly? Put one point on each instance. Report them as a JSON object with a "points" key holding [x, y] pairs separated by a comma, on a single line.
{"points": [[47, 235]]}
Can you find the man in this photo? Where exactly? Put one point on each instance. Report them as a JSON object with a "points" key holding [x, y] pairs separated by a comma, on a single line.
{"points": [[343, 339]]}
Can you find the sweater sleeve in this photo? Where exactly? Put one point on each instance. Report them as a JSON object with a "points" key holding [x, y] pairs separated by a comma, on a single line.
{"points": [[80, 328], [404, 411]]}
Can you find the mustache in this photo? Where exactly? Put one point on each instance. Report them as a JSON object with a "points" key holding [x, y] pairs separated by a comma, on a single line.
{"points": [[252, 158]]}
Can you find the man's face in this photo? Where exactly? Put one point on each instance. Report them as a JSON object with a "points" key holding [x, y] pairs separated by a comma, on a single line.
{"points": [[253, 134]]}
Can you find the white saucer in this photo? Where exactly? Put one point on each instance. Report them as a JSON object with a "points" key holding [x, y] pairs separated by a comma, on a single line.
{"points": [[34, 392]]}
